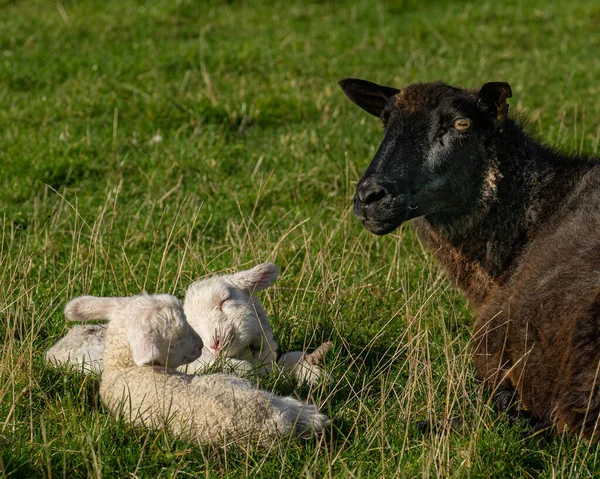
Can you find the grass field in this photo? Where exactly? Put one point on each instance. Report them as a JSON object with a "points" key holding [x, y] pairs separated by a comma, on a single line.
{"points": [[146, 144]]}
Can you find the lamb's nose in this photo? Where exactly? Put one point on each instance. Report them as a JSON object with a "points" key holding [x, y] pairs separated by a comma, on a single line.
{"points": [[216, 346]]}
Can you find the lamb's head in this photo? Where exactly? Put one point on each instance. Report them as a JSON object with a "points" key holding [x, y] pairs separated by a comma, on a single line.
{"points": [[153, 326], [227, 315]]}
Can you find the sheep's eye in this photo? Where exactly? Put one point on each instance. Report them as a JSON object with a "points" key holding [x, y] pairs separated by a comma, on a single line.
{"points": [[462, 124], [385, 117]]}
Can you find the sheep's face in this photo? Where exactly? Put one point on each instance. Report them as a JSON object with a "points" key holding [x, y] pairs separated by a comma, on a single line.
{"points": [[228, 317], [159, 333], [432, 161]]}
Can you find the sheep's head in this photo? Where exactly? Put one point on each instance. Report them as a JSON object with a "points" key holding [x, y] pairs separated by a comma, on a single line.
{"points": [[435, 158], [154, 325], [226, 314]]}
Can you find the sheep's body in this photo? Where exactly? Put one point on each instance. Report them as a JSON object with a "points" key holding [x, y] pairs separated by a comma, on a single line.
{"points": [[238, 330], [146, 335]]}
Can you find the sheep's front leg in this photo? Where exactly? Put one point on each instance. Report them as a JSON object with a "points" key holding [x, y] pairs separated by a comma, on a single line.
{"points": [[507, 401], [541, 429], [491, 358]]}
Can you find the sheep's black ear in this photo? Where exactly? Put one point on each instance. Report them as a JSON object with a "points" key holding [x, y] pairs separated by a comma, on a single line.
{"points": [[492, 99], [371, 97]]}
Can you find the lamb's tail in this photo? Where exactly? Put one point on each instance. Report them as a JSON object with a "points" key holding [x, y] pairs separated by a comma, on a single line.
{"points": [[91, 308], [301, 418]]}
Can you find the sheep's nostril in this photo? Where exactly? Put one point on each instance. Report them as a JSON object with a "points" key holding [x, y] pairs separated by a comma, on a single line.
{"points": [[373, 195], [370, 192]]}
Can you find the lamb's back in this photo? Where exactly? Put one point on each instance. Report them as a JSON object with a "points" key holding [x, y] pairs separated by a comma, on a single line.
{"points": [[83, 345], [207, 408]]}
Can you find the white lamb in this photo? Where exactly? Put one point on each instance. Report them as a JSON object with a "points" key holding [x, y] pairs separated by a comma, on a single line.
{"points": [[146, 338], [230, 320], [236, 330]]}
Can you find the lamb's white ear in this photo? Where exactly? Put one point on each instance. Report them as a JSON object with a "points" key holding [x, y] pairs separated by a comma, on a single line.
{"points": [[144, 349], [90, 308], [257, 278]]}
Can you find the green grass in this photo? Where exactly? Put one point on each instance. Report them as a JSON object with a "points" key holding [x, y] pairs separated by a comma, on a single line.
{"points": [[145, 144]]}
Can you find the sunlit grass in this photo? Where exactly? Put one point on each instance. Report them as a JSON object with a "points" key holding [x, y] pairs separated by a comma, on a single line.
{"points": [[143, 146]]}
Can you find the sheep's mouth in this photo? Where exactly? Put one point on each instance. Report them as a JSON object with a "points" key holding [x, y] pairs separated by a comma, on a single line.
{"points": [[381, 228], [382, 223]]}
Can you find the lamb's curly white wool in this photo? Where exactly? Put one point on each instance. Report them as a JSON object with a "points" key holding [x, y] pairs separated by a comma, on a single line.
{"points": [[146, 337], [229, 318]]}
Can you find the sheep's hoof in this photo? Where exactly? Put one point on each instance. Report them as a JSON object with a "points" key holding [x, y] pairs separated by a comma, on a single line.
{"points": [[454, 424], [516, 414], [505, 399], [423, 426], [543, 429], [507, 402]]}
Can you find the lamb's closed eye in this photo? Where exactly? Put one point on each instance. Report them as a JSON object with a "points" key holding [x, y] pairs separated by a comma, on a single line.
{"points": [[223, 301]]}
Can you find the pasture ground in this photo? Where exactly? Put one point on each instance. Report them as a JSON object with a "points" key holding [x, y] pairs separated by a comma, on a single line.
{"points": [[146, 144]]}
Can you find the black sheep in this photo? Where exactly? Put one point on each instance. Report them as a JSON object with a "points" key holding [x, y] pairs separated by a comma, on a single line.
{"points": [[515, 224]]}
